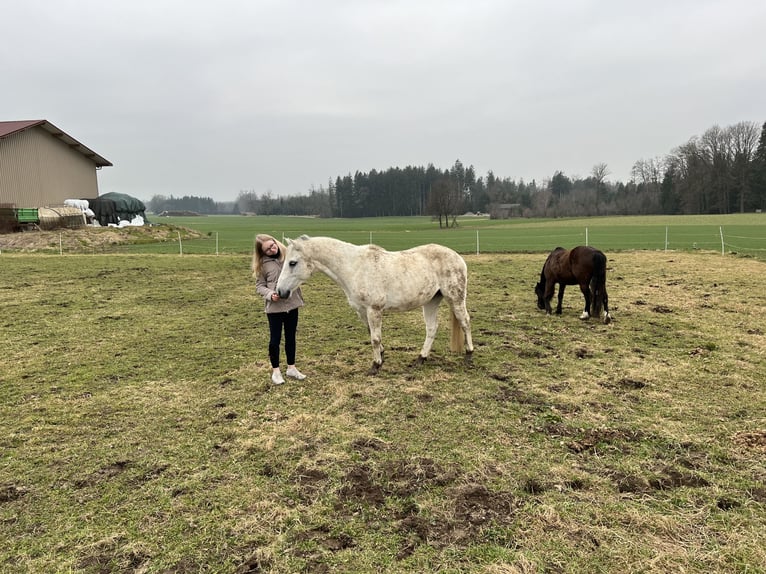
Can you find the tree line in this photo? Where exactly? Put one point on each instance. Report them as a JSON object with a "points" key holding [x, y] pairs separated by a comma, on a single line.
{"points": [[722, 171]]}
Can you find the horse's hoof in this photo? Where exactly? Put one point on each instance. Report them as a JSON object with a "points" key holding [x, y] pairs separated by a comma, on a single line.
{"points": [[419, 361], [374, 369], [585, 316], [468, 358], [607, 319]]}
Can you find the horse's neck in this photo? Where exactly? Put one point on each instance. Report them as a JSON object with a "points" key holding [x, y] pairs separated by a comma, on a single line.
{"points": [[336, 259]]}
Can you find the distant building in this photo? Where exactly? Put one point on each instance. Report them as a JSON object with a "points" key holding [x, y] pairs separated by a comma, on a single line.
{"points": [[504, 210], [42, 166]]}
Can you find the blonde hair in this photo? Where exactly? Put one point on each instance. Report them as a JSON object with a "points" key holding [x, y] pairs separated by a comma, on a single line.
{"points": [[258, 253]]}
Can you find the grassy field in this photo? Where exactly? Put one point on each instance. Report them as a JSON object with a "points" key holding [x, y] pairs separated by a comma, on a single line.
{"points": [[743, 233], [139, 431]]}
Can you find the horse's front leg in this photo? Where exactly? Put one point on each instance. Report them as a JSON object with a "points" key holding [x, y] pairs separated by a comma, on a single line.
{"points": [[375, 325], [362, 312], [561, 298], [585, 293], [548, 295]]}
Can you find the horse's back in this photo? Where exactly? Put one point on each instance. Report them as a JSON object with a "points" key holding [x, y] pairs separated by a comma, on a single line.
{"points": [[558, 267], [588, 262], [586, 256], [572, 266], [408, 279], [439, 267]]}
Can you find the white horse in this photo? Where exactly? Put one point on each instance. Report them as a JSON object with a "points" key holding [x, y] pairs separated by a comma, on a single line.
{"points": [[375, 280]]}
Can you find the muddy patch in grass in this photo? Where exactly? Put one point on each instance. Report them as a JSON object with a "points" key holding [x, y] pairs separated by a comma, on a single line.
{"points": [[627, 384], [666, 478], [516, 395], [104, 473], [587, 439], [471, 508], [753, 440], [11, 492], [310, 482], [364, 484]]}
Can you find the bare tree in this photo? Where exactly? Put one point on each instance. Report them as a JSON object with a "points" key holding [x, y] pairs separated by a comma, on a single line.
{"points": [[715, 145], [445, 200], [744, 138], [647, 174], [599, 173]]}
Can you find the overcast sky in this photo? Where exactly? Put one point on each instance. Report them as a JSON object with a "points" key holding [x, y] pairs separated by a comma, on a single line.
{"points": [[193, 97]]}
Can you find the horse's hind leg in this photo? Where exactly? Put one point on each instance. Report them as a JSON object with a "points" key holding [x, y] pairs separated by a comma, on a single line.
{"points": [[460, 336], [585, 288], [431, 317], [607, 316]]}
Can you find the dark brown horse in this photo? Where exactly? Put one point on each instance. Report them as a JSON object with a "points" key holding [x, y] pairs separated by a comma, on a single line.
{"points": [[583, 266]]}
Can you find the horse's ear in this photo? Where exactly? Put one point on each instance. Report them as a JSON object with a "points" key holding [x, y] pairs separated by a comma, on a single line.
{"points": [[288, 241]]}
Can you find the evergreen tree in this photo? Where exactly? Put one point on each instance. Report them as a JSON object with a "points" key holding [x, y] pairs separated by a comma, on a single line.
{"points": [[759, 172]]}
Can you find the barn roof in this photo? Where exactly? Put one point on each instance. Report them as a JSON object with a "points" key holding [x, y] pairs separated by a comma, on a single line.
{"points": [[9, 128]]}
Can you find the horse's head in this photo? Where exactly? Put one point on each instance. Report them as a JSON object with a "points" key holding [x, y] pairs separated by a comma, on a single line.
{"points": [[540, 292], [296, 269]]}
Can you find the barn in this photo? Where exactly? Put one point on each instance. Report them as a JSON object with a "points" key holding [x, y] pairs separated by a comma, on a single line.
{"points": [[41, 166]]}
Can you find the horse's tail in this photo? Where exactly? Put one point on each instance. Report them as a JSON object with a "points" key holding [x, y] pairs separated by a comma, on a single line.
{"points": [[598, 283], [457, 337]]}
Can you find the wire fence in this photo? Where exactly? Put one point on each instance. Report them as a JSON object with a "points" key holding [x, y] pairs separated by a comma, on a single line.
{"points": [[748, 240]]}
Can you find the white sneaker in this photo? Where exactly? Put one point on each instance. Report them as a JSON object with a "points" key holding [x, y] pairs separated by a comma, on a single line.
{"points": [[276, 378], [294, 373]]}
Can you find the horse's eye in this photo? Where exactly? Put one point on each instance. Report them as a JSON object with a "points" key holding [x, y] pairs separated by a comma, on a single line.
{"points": [[293, 263]]}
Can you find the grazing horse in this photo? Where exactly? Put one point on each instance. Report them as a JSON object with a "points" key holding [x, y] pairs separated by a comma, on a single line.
{"points": [[583, 266], [375, 280]]}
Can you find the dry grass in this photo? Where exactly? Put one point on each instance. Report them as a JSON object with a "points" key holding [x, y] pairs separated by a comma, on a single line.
{"points": [[139, 432], [91, 239]]}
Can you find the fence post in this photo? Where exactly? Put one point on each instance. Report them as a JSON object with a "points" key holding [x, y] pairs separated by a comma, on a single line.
{"points": [[216, 243], [180, 247], [666, 238], [586, 237], [720, 230], [477, 242]]}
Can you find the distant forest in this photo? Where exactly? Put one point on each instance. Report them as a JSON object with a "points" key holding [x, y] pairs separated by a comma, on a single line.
{"points": [[723, 171]]}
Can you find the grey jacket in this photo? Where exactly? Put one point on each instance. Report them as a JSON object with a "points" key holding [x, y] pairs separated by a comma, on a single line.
{"points": [[266, 285]]}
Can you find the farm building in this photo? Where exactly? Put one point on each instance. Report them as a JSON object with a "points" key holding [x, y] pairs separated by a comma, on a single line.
{"points": [[40, 165]]}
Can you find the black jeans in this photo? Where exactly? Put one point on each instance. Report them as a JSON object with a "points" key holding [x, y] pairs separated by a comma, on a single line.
{"points": [[289, 321]]}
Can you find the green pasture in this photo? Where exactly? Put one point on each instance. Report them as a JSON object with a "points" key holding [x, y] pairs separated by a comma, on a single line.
{"points": [[139, 431], [742, 233]]}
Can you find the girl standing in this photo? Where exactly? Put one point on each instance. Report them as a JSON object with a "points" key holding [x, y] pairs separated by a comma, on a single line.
{"points": [[268, 257]]}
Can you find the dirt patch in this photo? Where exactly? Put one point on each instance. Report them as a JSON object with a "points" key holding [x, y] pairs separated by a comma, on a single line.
{"points": [[588, 439], [473, 507], [666, 478], [11, 492], [105, 473], [89, 239], [360, 487], [310, 482], [755, 440], [624, 383]]}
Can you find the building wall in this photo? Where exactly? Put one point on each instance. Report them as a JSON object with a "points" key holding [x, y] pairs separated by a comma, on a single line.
{"points": [[37, 169]]}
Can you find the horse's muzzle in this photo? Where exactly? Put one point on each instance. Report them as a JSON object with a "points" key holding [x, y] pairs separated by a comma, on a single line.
{"points": [[283, 294]]}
